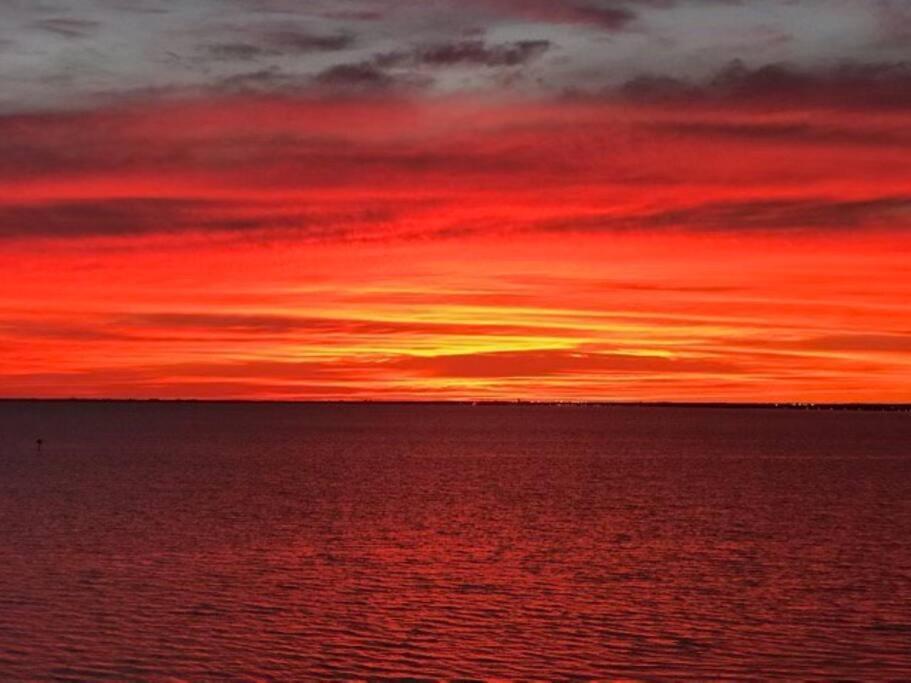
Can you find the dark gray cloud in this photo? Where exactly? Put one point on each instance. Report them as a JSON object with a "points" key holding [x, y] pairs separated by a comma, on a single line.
{"points": [[267, 80], [467, 53], [849, 84], [611, 18], [276, 44], [300, 42], [355, 15], [398, 68], [67, 27], [894, 23], [610, 15], [361, 75], [788, 50], [238, 51]]}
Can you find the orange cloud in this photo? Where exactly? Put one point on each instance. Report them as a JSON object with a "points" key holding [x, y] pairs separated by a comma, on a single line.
{"points": [[457, 248]]}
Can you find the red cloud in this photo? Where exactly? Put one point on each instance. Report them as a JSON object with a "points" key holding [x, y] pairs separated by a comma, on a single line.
{"points": [[458, 248]]}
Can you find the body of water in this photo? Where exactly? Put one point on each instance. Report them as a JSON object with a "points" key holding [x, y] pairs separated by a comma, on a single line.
{"points": [[293, 542]]}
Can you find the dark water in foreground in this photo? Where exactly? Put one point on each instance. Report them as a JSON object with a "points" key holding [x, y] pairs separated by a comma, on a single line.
{"points": [[297, 542]]}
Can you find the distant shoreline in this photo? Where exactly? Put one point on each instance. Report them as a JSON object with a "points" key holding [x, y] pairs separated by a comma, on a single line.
{"points": [[871, 407]]}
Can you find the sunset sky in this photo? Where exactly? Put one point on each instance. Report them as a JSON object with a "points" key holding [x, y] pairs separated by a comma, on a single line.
{"points": [[688, 200]]}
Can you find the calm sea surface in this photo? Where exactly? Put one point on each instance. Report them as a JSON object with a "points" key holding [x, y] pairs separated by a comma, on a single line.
{"points": [[292, 542]]}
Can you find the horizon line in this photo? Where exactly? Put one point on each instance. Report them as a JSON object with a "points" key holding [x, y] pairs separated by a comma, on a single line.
{"points": [[786, 405]]}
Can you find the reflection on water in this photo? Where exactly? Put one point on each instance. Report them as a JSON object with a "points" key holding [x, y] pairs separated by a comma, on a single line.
{"points": [[282, 541]]}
